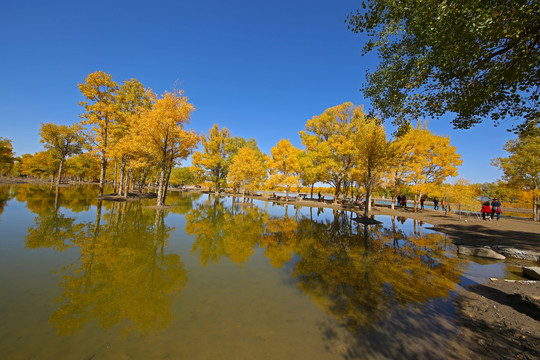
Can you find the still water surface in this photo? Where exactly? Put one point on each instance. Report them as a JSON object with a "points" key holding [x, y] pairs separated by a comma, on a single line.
{"points": [[212, 279]]}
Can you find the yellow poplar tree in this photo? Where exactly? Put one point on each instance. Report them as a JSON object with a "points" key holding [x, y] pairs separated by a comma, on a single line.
{"points": [[427, 159], [247, 170], [329, 138], [62, 141], [41, 164], [7, 158], [522, 167], [161, 132], [211, 163], [284, 165], [83, 166], [101, 108], [372, 154], [130, 98], [310, 172], [465, 195]]}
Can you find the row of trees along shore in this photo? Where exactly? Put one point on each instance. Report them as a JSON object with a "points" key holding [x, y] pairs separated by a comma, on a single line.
{"points": [[144, 136]]}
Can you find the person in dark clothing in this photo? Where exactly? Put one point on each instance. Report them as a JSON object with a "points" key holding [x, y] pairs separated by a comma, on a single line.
{"points": [[398, 200], [422, 203], [496, 208], [435, 204]]}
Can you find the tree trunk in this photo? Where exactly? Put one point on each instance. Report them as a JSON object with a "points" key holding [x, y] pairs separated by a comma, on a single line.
{"points": [[60, 172], [535, 208], [102, 174], [126, 186], [367, 205], [122, 176], [141, 182], [167, 183], [336, 192], [312, 186], [217, 182], [160, 185], [115, 190]]}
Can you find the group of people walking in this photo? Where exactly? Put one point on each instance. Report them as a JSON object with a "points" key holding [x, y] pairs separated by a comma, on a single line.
{"points": [[402, 201], [489, 210]]}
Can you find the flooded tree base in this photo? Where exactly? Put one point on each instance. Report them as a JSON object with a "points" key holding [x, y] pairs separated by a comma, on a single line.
{"points": [[130, 197]]}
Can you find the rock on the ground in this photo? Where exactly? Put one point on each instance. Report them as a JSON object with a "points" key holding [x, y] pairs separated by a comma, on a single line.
{"points": [[480, 252], [532, 272], [518, 254]]}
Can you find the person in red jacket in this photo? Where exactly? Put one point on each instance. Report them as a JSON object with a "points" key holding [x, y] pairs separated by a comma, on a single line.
{"points": [[486, 210]]}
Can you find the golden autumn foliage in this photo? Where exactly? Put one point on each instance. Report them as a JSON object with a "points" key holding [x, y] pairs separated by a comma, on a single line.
{"points": [[62, 141], [41, 164], [284, 166], [522, 167], [211, 163], [7, 157], [131, 98], [101, 112], [160, 132], [247, 170], [329, 138], [464, 195], [372, 155], [426, 159]]}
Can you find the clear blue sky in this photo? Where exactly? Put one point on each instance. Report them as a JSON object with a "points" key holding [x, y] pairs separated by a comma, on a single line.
{"points": [[259, 68]]}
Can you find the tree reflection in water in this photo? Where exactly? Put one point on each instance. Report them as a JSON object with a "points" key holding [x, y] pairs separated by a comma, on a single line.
{"points": [[357, 273], [221, 231], [123, 276], [372, 271], [5, 196]]}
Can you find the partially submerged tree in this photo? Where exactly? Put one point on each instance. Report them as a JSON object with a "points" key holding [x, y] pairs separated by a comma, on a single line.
{"points": [[211, 163], [372, 155], [329, 139], [247, 170], [101, 112], [131, 98], [284, 166], [62, 141], [474, 59], [161, 132], [310, 172]]}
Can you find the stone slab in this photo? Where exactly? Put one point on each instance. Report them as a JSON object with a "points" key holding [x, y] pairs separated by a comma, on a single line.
{"points": [[485, 252], [532, 272], [518, 254]]}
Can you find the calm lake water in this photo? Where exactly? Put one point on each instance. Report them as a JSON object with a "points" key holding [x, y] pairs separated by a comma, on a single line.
{"points": [[209, 279]]}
